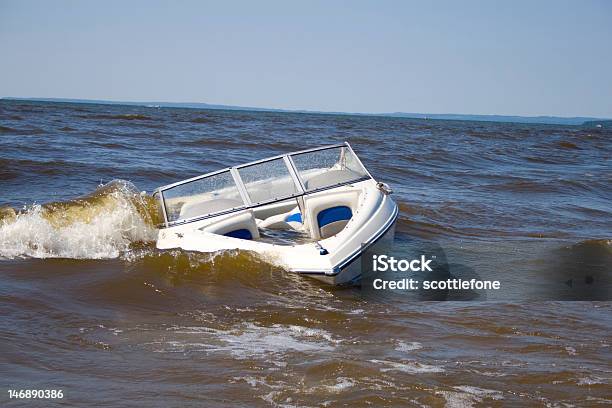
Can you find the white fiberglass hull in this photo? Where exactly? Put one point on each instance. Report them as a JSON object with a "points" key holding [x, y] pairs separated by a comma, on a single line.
{"points": [[334, 260], [351, 271]]}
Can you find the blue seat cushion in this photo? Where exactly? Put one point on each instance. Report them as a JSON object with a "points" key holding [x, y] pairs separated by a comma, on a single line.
{"points": [[297, 217], [334, 214], [240, 233]]}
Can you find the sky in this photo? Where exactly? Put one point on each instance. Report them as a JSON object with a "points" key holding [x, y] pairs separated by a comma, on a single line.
{"points": [[472, 57]]}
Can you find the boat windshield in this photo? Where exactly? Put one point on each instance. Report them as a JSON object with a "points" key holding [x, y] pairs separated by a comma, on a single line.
{"points": [[328, 167], [268, 181], [265, 181], [208, 195]]}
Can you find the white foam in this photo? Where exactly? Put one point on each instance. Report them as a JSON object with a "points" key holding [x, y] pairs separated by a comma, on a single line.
{"points": [[258, 341], [411, 367], [108, 233], [481, 392], [591, 380], [570, 350], [467, 396], [248, 340], [457, 399], [342, 383]]}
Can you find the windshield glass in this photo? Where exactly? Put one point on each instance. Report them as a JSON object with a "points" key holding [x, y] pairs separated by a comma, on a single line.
{"points": [[328, 167], [208, 195], [268, 181]]}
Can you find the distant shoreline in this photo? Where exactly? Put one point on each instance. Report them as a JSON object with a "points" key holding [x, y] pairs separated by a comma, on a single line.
{"points": [[546, 120]]}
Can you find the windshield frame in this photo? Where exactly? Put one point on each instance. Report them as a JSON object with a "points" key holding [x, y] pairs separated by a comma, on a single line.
{"points": [[234, 171]]}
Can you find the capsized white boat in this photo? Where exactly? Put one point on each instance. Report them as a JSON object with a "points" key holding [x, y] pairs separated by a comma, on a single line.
{"points": [[314, 212]]}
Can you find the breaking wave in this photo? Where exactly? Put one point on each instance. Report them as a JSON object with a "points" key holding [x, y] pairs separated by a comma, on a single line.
{"points": [[101, 225], [27, 131]]}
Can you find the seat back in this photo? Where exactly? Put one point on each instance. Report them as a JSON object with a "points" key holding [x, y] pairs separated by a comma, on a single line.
{"points": [[196, 209], [291, 220], [332, 220], [238, 225], [327, 213]]}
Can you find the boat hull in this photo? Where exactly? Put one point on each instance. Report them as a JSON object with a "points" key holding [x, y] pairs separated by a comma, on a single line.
{"points": [[351, 273], [337, 260]]}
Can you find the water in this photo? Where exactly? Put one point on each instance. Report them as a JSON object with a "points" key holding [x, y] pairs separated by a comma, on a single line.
{"points": [[89, 306]]}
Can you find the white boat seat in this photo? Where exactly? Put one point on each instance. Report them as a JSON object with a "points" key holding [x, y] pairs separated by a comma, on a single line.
{"points": [[286, 221], [332, 220], [329, 212], [241, 225], [208, 207], [330, 178]]}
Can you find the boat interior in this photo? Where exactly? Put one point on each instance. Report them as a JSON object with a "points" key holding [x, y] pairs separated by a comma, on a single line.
{"points": [[290, 199]]}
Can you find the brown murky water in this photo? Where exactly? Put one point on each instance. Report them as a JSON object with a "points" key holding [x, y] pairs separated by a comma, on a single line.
{"points": [[90, 307]]}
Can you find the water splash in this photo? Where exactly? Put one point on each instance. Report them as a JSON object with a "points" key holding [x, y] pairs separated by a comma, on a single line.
{"points": [[101, 225]]}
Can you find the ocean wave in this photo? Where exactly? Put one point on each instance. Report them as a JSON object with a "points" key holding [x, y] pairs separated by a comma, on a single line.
{"points": [[468, 396], [6, 174], [10, 117], [600, 245], [7, 213], [12, 168], [542, 160], [201, 120], [246, 341], [101, 225], [567, 145], [127, 116], [583, 269], [410, 367], [245, 269], [270, 147], [27, 108], [523, 186], [29, 131]]}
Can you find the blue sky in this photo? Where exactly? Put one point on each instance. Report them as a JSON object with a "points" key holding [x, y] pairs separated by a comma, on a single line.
{"points": [[476, 57]]}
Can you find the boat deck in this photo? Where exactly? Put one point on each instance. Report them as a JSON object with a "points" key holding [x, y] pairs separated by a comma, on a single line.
{"points": [[284, 237]]}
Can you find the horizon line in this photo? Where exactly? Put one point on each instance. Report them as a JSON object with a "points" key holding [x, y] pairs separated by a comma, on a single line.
{"points": [[482, 117]]}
